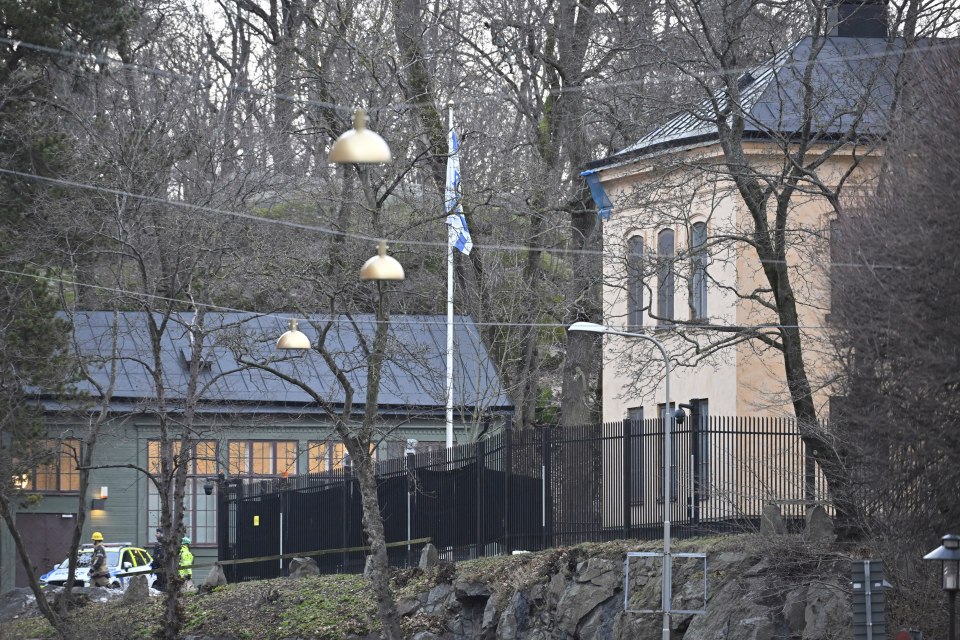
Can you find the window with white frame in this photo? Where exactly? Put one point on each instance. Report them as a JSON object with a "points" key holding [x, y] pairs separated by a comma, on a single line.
{"points": [[262, 458], [199, 509]]}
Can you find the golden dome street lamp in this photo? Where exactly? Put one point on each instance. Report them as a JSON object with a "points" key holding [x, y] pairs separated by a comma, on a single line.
{"points": [[382, 266], [360, 145], [293, 338], [378, 268]]}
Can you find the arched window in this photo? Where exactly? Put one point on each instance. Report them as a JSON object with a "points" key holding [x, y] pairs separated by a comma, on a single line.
{"points": [[665, 275], [698, 270], [635, 282]]}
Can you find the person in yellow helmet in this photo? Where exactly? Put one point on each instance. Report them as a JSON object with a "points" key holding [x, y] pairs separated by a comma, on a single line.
{"points": [[186, 563], [99, 574]]}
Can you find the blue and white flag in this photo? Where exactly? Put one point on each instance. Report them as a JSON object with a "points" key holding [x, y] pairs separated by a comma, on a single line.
{"points": [[456, 224]]}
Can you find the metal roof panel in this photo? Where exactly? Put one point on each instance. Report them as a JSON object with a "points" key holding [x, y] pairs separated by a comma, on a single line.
{"points": [[852, 81], [413, 373]]}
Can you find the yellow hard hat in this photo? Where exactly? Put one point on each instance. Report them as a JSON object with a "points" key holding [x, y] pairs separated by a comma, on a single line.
{"points": [[97, 536]]}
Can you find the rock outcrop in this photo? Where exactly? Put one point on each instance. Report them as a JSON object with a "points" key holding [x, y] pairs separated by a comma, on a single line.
{"points": [[791, 593], [429, 556], [137, 591], [819, 527], [300, 567], [766, 587], [216, 578]]}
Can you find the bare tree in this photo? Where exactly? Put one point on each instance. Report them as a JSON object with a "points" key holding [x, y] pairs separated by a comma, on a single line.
{"points": [[795, 125], [359, 439], [530, 66], [31, 339], [159, 160], [896, 294]]}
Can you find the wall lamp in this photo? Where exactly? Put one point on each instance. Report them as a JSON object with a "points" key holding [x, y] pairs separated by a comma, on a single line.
{"points": [[100, 502]]}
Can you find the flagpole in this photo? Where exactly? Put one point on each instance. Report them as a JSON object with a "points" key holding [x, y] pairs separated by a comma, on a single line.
{"points": [[450, 314]]}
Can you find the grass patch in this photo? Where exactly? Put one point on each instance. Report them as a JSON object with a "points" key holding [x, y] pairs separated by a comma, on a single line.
{"points": [[331, 609], [26, 629], [319, 607], [103, 621]]}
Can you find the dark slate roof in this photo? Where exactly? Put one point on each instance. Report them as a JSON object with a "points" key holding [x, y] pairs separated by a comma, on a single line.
{"points": [[413, 376], [851, 78]]}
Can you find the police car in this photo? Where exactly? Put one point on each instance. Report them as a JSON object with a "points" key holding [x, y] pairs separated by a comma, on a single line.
{"points": [[124, 561]]}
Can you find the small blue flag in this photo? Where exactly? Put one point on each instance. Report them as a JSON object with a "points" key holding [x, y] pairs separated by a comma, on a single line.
{"points": [[457, 230]]}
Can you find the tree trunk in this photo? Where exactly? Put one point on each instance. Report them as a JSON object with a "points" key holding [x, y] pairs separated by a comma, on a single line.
{"points": [[379, 563]]}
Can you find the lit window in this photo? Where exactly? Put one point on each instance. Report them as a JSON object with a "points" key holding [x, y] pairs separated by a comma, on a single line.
{"points": [[325, 456], [199, 509], [262, 458], [60, 474]]}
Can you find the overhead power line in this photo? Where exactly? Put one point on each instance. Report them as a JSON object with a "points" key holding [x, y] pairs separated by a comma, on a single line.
{"points": [[360, 236], [195, 81], [401, 319]]}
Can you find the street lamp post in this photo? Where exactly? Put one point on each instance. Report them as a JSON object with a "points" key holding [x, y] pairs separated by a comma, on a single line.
{"points": [[667, 587], [949, 554]]}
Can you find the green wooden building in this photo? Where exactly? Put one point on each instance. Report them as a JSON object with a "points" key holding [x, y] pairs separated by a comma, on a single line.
{"points": [[251, 424]]}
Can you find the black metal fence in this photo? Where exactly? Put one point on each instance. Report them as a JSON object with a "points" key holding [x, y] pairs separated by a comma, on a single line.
{"points": [[530, 491]]}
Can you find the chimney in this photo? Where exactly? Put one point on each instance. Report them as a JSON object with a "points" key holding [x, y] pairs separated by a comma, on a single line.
{"points": [[857, 18]]}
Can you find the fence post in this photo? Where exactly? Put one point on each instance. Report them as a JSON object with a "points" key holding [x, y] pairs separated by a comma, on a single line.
{"points": [[283, 493], [627, 476], [347, 486], [507, 472], [695, 426], [481, 453], [408, 457], [223, 522], [547, 493]]}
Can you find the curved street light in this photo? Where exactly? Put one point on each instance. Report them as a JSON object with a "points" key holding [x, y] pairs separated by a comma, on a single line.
{"points": [[667, 587]]}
